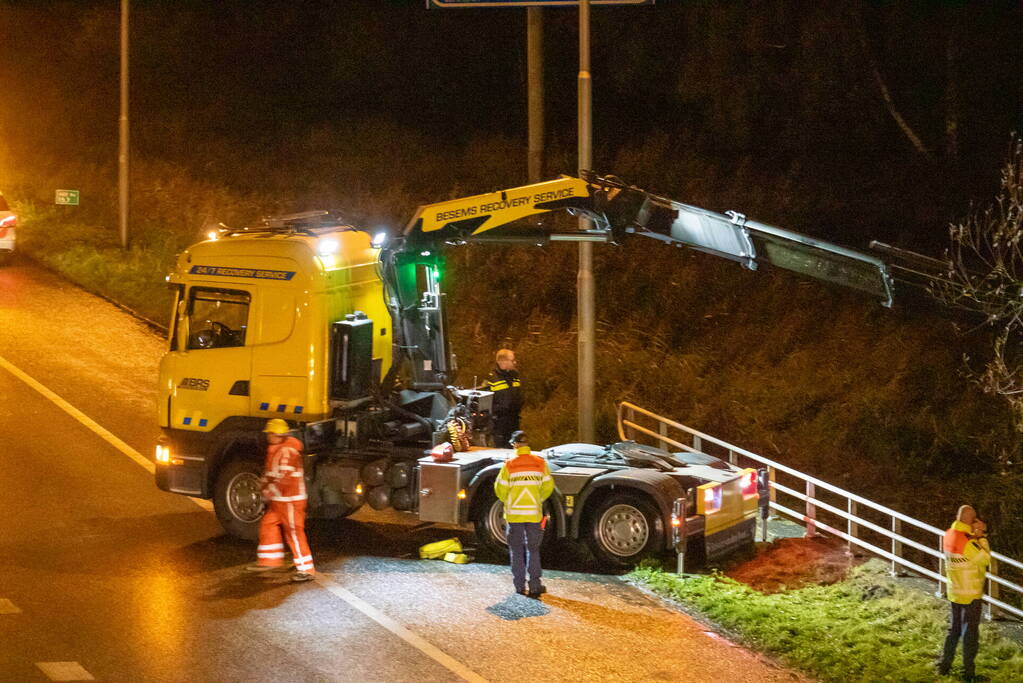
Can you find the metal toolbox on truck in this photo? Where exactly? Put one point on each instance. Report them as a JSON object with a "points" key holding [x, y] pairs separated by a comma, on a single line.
{"points": [[440, 482]]}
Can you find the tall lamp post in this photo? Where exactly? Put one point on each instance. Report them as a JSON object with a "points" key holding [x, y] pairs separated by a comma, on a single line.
{"points": [[534, 60], [122, 148], [585, 296]]}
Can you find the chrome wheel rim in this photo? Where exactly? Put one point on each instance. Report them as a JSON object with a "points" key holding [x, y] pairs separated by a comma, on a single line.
{"points": [[623, 530], [243, 497]]}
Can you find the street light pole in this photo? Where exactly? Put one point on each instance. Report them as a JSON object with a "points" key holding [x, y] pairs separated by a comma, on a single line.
{"points": [[122, 152], [534, 60], [585, 295]]}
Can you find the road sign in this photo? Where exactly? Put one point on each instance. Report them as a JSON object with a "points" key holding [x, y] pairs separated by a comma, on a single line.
{"points": [[67, 197], [529, 3]]}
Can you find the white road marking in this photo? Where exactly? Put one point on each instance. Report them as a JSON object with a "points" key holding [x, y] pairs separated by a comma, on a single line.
{"points": [[65, 671], [8, 607], [416, 641], [98, 429]]}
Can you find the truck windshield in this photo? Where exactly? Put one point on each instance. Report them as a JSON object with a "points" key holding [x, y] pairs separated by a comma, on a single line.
{"points": [[217, 318]]}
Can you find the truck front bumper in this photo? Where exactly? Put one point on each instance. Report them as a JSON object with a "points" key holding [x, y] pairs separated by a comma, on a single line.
{"points": [[178, 472]]}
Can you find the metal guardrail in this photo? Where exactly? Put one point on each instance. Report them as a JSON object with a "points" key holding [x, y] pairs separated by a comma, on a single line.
{"points": [[870, 527]]}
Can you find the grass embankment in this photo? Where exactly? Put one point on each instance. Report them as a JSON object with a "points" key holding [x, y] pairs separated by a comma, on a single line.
{"points": [[865, 627], [90, 258]]}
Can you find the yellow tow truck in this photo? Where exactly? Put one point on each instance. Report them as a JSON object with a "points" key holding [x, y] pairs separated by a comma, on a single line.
{"points": [[343, 333]]}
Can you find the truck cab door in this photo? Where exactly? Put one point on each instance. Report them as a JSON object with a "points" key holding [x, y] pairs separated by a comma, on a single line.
{"points": [[205, 375]]}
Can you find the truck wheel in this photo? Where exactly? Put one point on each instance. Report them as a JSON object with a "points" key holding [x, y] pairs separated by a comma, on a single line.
{"points": [[491, 529], [624, 527], [237, 500], [490, 525]]}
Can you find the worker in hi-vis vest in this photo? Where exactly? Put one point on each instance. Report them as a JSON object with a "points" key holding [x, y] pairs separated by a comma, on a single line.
{"points": [[967, 555], [283, 489], [506, 384], [523, 484]]}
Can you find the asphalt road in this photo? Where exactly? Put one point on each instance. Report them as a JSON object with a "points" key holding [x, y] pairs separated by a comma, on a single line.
{"points": [[103, 576]]}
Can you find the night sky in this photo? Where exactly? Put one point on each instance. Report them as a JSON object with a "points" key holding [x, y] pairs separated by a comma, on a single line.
{"points": [[787, 89]]}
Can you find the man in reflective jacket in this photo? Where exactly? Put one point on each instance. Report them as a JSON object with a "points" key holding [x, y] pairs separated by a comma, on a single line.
{"points": [[967, 556], [506, 384], [523, 484], [283, 488]]}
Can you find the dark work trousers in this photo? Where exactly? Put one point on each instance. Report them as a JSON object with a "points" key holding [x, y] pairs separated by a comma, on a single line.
{"points": [[524, 547], [504, 427], [965, 623]]}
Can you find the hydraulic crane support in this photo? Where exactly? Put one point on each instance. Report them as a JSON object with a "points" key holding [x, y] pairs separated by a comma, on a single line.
{"points": [[618, 209]]}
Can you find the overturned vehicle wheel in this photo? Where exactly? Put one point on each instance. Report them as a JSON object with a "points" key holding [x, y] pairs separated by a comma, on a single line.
{"points": [[492, 529], [623, 528]]}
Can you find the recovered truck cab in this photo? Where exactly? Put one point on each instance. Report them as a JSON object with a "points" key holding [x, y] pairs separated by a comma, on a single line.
{"points": [[344, 335]]}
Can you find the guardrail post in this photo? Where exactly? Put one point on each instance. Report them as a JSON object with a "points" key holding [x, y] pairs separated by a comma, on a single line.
{"points": [[940, 593], [732, 457], [764, 502], [662, 429], [697, 443], [811, 510], [994, 590], [631, 413], [896, 547], [852, 528]]}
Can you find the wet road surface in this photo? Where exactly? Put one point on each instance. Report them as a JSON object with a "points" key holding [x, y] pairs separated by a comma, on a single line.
{"points": [[103, 575]]}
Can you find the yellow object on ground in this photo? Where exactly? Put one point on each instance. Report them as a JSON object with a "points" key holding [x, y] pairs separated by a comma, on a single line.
{"points": [[457, 558], [438, 549]]}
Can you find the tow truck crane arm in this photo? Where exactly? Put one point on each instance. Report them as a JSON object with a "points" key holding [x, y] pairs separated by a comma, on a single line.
{"points": [[616, 210]]}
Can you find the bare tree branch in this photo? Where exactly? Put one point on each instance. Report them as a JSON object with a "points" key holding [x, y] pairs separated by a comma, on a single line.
{"points": [[985, 274], [887, 97]]}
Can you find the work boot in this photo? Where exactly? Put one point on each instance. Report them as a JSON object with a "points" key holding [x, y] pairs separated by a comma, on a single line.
{"points": [[538, 592], [299, 577], [260, 568]]}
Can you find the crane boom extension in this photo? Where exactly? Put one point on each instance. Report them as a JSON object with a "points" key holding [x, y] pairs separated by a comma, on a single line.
{"points": [[617, 209], [411, 265]]}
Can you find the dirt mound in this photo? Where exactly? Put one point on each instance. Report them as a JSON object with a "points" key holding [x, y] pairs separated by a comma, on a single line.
{"points": [[795, 562]]}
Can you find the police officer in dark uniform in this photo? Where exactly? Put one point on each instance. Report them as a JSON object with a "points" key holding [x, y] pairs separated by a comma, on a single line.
{"points": [[506, 384]]}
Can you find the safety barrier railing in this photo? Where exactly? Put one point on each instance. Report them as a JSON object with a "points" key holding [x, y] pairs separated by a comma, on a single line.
{"points": [[908, 544]]}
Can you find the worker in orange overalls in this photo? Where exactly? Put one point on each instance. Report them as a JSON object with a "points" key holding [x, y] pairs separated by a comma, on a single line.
{"points": [[283, 487]]}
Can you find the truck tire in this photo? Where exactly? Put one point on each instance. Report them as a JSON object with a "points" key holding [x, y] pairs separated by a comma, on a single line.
{"points": [[489, 522], [491, 529], [237, 500], [624, 527]]}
